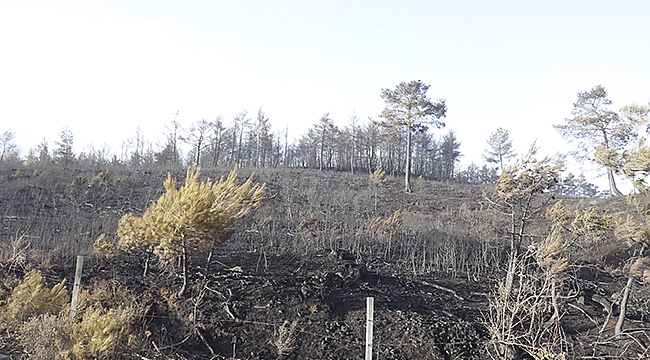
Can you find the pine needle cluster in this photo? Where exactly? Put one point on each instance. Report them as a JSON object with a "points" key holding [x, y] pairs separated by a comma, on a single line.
{"points": [[581, 222], [102, 247], [102, 331], [640, 269], [192, 218], [105, 328], [637, 167], [32, 298], [521, 181], [635, 226], [391, 222], [550, 255], [378, 178]]}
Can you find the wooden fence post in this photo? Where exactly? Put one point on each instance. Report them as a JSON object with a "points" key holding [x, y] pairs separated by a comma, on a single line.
{"points": [[77, 285], [369, 320]]}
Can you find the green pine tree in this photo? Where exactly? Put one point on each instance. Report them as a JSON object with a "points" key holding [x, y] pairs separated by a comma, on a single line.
{"points": [[191, 219]]}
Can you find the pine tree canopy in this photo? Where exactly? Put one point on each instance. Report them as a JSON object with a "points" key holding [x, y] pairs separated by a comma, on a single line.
{"points": [[192, 218]]}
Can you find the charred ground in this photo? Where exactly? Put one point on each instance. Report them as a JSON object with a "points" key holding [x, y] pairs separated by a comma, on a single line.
{"points": [[292, 280]]}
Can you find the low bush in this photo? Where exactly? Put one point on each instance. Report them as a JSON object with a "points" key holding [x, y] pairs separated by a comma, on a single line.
{"points": [[46, 337], [104, 333], [106, 325], [32, 298]]}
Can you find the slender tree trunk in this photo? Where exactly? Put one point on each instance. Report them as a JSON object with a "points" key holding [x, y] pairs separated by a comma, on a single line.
{"points": [[626, 295], [322, 153], [208, 263], [352, 159], [181, 292], [257, 151], [286, 147], [501, 162], [407, 171], [554, 296], [621, 316], [512, 263], [514, 254], [217, 149], [146, 264], [233, 150], [198, 151], [239, 146], [612, 183]]}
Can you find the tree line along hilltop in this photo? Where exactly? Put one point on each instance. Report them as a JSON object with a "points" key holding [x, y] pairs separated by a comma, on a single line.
{"points": [[246, 248], [400, 138]]}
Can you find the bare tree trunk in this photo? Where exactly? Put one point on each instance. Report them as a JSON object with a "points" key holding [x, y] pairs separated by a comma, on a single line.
{"points": [[239, 145], [556, 308], [198, 152], [407, 171], [612, 183], [286, 147], [181, 292], [510, 275], [146, 264], [208, 263], [621, 317], [352, 159], [512, 261], [626, 295], [217, 149], [322, 152]]}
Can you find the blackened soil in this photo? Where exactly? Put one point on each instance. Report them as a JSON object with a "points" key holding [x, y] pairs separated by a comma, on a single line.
{"points": [[245, 308]]}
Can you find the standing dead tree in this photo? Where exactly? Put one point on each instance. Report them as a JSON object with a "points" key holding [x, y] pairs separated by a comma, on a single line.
{"points": [[520, 194], [516, 319]]}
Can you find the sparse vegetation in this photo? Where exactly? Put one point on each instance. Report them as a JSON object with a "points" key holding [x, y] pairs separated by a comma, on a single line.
{"points": [[191, 219], [46, 337], [463, 264], [39, 319], [31, 298], [285, 337]]}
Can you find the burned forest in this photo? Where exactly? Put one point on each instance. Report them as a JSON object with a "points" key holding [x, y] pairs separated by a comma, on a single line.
{"points": [[511, 270]]}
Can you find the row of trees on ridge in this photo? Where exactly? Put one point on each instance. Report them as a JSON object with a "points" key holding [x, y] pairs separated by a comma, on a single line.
{"points": [[400, 141]]}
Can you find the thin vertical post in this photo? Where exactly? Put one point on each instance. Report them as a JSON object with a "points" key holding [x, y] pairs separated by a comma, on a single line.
{"points": [[369, 320], [77, 285]]}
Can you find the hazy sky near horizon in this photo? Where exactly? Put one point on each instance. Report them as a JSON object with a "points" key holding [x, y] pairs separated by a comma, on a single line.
{"points": [[105, 68]]}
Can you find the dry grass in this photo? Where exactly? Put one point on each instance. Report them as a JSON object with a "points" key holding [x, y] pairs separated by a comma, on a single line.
{"points": [[46, 337], [284, 338]]}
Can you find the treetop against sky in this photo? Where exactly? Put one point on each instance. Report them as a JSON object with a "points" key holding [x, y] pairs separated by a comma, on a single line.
{"points": [[105, 68]]}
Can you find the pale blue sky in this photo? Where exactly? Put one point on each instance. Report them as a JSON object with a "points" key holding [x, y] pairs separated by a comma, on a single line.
{"points": [[103, 68]]}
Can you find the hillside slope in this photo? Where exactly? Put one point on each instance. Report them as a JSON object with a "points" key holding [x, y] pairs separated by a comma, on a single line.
{"points": [[292, 280]]}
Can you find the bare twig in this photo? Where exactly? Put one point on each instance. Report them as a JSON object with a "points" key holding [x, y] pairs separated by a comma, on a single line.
{"points": [[439, 287], [584, 313], [285, 337], [226, 306]]}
